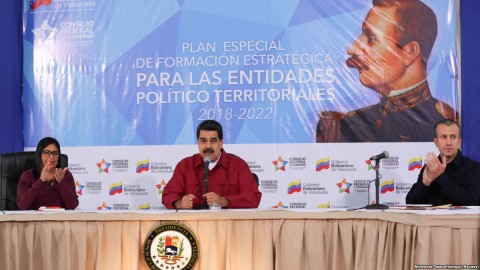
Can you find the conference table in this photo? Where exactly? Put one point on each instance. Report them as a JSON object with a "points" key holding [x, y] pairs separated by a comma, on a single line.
{"points": [[281, 239]]}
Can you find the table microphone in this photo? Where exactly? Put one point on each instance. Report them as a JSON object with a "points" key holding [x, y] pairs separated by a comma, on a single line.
{"points": [[384, 154], [206, 163]]}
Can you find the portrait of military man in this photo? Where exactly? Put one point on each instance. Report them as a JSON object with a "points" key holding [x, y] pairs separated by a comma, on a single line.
{"points": [[391, 56]]}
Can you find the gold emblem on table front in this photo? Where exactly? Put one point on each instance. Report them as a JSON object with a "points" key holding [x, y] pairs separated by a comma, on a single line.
{"points": [[171, 246]]}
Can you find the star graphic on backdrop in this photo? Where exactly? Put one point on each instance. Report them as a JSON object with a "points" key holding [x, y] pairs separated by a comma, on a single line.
{"points": [[344, 186], [279, 164], [79, 188], [161, 186], [103, 166], [44, 31], [370, 165]]}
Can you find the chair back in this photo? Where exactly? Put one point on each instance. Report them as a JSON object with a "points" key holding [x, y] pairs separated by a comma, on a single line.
{"points": [[11, 167], [255, 177]]}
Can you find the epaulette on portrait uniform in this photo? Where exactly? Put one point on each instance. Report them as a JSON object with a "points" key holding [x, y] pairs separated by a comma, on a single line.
{"points": [[446, 111], [363, 110], [329, 125]]}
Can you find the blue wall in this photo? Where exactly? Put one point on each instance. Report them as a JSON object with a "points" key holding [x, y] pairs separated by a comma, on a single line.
{"points": [[11, 131], [470, 29]]}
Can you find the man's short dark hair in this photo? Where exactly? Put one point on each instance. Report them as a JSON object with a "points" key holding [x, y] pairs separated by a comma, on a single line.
{"points": [[210, 125], [415, 22], [447, 122]]}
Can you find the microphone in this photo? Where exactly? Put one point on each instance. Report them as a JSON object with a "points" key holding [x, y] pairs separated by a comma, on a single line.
{"points": [[206, 162], [384, 154]]}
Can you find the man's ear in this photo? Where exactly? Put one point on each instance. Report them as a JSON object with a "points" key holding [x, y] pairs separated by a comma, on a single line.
{"points": [[411, 51]]}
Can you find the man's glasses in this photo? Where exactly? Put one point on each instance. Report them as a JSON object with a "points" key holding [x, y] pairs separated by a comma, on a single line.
{"points": [[47, 153]]}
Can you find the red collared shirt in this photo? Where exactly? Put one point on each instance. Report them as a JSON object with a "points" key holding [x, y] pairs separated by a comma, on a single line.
{"points": [[230, 178]]}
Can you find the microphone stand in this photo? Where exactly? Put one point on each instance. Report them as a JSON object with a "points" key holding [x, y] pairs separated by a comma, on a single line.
{"points": [[205, 186], [377, 205]]}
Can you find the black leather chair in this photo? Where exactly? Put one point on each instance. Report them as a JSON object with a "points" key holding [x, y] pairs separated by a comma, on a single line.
{"points": [[255, 177], [11, 167]]}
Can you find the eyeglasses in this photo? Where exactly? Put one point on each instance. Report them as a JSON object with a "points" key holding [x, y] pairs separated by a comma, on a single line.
{"points": [[47, 153]]}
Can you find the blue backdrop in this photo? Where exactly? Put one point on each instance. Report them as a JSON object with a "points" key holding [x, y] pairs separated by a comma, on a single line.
{"points": [[11, 135]]}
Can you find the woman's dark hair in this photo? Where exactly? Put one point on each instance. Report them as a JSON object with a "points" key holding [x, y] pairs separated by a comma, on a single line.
{"points": [[38, 154]]}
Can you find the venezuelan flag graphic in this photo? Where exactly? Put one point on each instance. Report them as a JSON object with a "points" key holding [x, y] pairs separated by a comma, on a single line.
{"points": [[116, 188], [295, 187], [324, 205], [144, 207], [387, 186], [322, 164], [34, 4], [415, 163], [143, 166]]}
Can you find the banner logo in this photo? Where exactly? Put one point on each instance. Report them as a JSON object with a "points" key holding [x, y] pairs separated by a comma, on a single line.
{"points": [[255, 167], [135, 190], [370, 165], [79, 188], [314, 188], [104, 207], [34, 4], [324, 205], [344, 186], [121, 206], [144, 206], [279, 164], [93, 187], [297, 163], [391, 163], [342, 166], [161, 186], [361, 185], [161, 167], [295, 186], [120, 165], [103, 166], [298, 205], [387, 186], [415, 163], [402, 187], [116, 188], [76, 168], [143, 166], [171, 246], [322, 164], [280, 205], [44, 32]]}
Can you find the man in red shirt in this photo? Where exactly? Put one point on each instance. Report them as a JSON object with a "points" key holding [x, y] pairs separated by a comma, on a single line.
{"points": [[230, 181]]}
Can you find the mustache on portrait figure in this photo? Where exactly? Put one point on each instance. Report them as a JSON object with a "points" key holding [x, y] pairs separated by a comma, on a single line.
{"points": [[356, 62]]}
